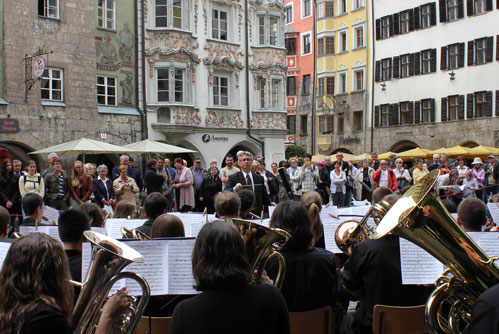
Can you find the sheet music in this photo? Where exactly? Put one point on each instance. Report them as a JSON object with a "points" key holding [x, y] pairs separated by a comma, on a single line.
{"points": [[193, 222], [51, 213], [487, 241], [167, 267], [25, 230], [101, 230], [325, 211], [330, 226], [354, 210], [361, 203], [417, 265], [180, 278], [271, 210], [114, 225], [4, 249], [494, 212]]}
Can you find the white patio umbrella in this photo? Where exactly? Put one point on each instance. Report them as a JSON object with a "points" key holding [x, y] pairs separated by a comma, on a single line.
{"points": [[84, 146], [152, 146]]}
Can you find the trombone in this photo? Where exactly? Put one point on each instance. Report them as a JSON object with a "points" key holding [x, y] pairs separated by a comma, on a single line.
{"points": [[135, 233]]}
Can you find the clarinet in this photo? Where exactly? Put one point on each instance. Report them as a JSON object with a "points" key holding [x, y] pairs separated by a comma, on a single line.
{"points": [[285, 182]]}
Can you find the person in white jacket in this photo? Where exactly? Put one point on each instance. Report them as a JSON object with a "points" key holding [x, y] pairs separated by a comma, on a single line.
{"points": [[294, 173], [31, 182], [338, 184]]}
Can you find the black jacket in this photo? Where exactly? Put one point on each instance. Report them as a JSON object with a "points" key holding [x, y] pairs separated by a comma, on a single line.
{"points": [[261, 197], [154, 181], [210, 187], [100, 191]]}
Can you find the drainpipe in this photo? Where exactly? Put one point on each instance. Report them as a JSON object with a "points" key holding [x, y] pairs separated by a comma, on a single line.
{"points": [[143, 114], [314, 19], [246, 58], [373, 70]]}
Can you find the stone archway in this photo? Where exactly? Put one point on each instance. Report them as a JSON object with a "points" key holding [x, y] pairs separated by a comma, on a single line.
{"points": [[341, 149], [402, 146], [469, 144], [19, 151]]}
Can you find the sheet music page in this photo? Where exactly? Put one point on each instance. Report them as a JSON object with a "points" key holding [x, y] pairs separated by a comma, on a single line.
{"points": [[51, 213], [192, 222], [4, 249], [361, 203], [101, 230], [154, 269], [114, 225], [330, 226], [354, 210], [180, 278], [271, 210], [487, 241], [494, 212], [25, 230], [53, 231], [418, 266], [326, 210]]}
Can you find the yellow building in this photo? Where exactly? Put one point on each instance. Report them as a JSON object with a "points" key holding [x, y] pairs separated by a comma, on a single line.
{"points": [[343, 82]]}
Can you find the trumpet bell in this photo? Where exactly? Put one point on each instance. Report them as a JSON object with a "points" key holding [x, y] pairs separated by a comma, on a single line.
{"points": [[347, 234]]}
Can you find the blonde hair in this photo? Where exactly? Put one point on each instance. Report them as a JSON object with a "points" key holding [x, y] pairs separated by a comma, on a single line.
{"points": [[312, 201]]}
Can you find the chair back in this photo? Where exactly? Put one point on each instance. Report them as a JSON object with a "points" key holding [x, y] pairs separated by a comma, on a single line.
{"points": [[318, 321], [159, 325], [398, 319]]}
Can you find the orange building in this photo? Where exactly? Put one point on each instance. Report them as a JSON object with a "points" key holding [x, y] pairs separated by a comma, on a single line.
{"points": [[299, 42]]}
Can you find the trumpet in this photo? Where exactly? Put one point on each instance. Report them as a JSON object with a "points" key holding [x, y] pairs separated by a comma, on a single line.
{"points": [[135, 233], [109, 257], [351, 232]]}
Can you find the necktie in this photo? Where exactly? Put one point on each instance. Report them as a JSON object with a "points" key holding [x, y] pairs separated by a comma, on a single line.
{"points": [[248, 181]]}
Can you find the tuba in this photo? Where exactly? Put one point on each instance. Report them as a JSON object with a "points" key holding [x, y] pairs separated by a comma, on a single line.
{"points": [[262, 243], [351, 232], [420, 217], [109, 257]]}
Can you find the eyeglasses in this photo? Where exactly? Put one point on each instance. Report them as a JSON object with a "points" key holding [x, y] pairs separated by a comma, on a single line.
{"points": [[398, 162], [246, 159]]}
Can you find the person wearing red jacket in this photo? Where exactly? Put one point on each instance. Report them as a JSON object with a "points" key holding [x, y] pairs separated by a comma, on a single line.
{"points": [[384, 176]]}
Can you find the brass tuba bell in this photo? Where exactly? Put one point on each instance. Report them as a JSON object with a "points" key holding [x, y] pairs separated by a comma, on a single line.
{"points": [[420, 217], [109, 257], [262, 243]]}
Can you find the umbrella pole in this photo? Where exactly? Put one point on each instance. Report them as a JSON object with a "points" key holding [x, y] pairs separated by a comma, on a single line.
{"points": [[83, 158]]}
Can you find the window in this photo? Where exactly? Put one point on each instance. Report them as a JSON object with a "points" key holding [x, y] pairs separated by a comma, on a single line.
{"points": [[453, 55], [170, 84], [290, 45], [385, 27], [320, 46], [306, 44], [262, 88], [404, 22], [343, 6], [276, 84], [426, 16], [304, 124], [343, 83], [452, 10], [51, 84], [453, 107], [425, 61], [268, 30], [220, 91], [343, 39], [48, 8], [357, 120], [320, 10], [329, 8], [386, 65], [341, 125], [306, 84], [106, 90], [291, 124], [168, 13], [289, 13], [105, 14], [359, 37], [307, 8], [426, 111], [359, 80], [404, 113], [321, 88], [291, 86], [330, 85], [480, 51], [219, 24], [478, 6], [385, 114], [326, 124], [480, 104], [330, 45], [404, 66], [358, 4]]}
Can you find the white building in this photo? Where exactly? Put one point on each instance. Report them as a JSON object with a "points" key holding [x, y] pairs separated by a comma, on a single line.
{"points": [[199, 91], [436, 74]]}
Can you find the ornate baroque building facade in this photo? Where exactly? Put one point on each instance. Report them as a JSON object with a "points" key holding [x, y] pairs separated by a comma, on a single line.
{"points": [[212, 83]]}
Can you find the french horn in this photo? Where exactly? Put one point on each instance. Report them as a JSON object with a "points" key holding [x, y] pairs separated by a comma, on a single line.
{"points": [[420, 217]]}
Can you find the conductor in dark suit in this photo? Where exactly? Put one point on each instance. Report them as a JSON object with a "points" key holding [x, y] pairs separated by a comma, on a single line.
{"points": [[248, 180]]}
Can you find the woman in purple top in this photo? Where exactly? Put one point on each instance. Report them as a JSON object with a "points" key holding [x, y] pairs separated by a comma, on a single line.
{"points": [[183, 185], [479, 174]]}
